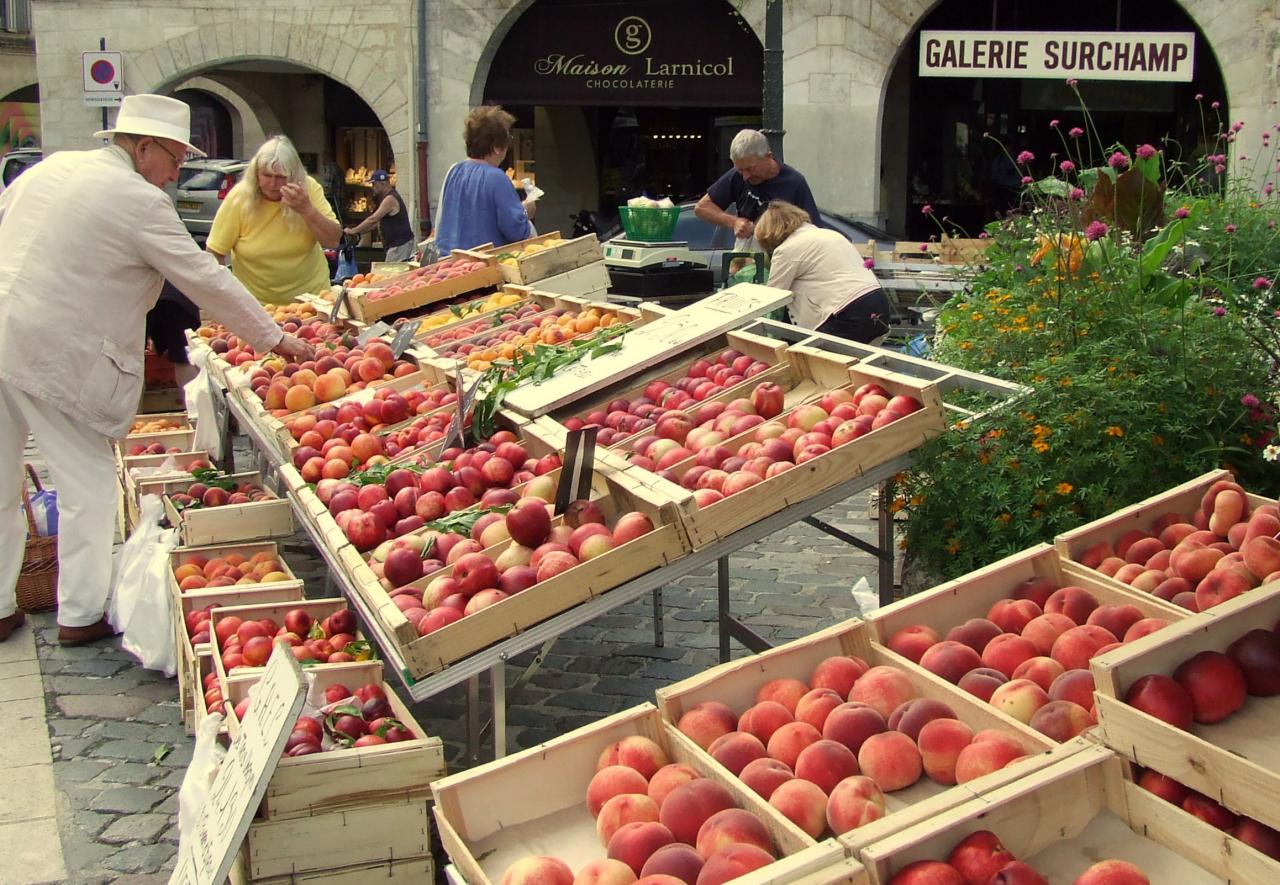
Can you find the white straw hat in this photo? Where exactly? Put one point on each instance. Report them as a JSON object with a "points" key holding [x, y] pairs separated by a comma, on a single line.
{"points": [[157, 116]]}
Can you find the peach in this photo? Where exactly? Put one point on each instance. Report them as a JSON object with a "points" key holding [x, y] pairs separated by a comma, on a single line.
{"points": [[1209, 811], [1218, 586], [676, 860], [1092, 556], [1129, 572], [991, 750], [891, 759], [1262, 555], [1229, 507], [732, 863], [1112, 872], [705, 722], [979, 857], [1040, 670], [928, 872], [1171, 587], [817, 705], [604, 871], [613, 780], [1037, 589], [537, 871], [667, 778], [950, 659], [1111, 565], [1187, 601], [1163, 698], [622, 810], [1020, 699], [764, 718], [785, 691], [1163, 786], [855, 802], [1007, 652], [766, 775], [912, 642], [1074, 648], [1215, 683], [689, 805], [636, 751], [1258, 836], [940, 743], [1074, 602], [1115, 618], [1260, 523], [1160, 560], [803, 803], [1144, 627], [982, 682], [914, 714], [736, 749], [1074, 685], [852, 723], [975, 633], [1172, 535], [838, 673], [1061, 720], [1142, 550], [1011, 615], [789, 741], [732, 826], [635, 842], [1044, 630], [1192, 561], [825, 763], [1128, 539], [883, 688]]}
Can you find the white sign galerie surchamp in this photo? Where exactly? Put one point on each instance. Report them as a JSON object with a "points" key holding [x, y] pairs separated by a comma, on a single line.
{"points": [[1088, 55]]}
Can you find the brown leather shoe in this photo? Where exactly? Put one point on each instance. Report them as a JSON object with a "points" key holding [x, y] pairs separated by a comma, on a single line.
{"points": [[10, 624], [85, 635]]}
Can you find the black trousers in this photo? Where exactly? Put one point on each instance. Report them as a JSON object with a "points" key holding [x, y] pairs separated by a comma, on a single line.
{"points": [[864, 320], [167, 323]]}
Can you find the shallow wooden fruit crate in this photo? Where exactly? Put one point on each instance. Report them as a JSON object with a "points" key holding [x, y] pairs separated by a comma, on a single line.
{"points": [[182, 440], [707, 525], [342, 782], [1236, 761], [588, 281], [615, 494], [319, 609], [735, 684], [271, 518], [198, 711], [971, 596], [534, 802], [366, 311], [558, 259], [1069, 815], [447, 350], [414, 869]]}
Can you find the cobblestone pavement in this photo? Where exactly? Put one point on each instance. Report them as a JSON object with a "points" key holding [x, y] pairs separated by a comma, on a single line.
{"points": [[120, 751]]}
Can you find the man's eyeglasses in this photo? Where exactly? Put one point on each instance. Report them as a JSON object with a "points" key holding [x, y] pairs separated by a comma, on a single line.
{"points": [[178, 161]]}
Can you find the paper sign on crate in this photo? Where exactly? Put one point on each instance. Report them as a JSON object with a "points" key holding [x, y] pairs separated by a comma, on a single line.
{"points": [[241, 781]]}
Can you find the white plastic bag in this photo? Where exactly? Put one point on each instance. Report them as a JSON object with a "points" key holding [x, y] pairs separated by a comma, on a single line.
{"points": [[866, 599], [199, 396], [205, 760], [139, 606]]}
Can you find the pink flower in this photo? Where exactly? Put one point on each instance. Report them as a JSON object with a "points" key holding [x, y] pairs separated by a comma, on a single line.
{"points": [[1025, 157], [1231, 228], [1067, 166], [1146, 152], [924, 247], [983, 235], [926, 209], [1181, 212], [869, 263], [1095, 231], [1075, 132], [1219, 168], [1236, 127], [1118, 161], [1267, 188], [1072, 82], [1053, 124], [1027, 179], [1262, 283], [1215, 105], [1199, 96], [1077, 193], [1219, 311], [1249, 401]]}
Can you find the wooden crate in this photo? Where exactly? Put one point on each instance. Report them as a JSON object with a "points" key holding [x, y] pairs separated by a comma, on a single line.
{"points": [[319, 609], [1069, 815], [342, 846], [963, 250], [367, 311], [447, 350], [971, 596], [736, 683], [588, 281], [187, 422], [615, 494], [1236, 761], [558, 259], [534, 802], [705, 526], [132, 482], [161, 399], [198, 711], [916, 250], [182, 440], [272, 518], [345, 781], [414, 869]]}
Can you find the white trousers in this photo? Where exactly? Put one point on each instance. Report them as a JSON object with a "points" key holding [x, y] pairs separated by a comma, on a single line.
{"points": [[83, 471]]}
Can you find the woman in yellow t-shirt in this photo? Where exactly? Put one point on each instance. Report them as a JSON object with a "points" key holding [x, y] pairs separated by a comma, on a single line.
{"points": [[275, 224]]}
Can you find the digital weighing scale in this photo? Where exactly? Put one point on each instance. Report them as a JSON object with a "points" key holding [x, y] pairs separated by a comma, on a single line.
{"points": [[655, 270]]}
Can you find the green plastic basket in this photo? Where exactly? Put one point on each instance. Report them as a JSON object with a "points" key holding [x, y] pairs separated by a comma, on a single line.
{"points": [[648, 224]]}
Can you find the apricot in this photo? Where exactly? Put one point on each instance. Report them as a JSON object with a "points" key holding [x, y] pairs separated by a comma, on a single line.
{"points": [[891, 759]]}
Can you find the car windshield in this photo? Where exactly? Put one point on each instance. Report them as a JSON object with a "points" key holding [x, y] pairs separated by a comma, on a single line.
{"points": [[200, 179], [699, 234]]}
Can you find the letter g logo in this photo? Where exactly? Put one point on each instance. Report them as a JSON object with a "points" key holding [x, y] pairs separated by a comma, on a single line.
{"points": [[632, 35]]}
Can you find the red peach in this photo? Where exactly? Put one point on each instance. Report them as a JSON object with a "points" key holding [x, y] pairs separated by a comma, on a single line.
{"points": [[928, 872], [1128, 539], [891, 759], [732, 826], [705, 722], [667, 778], [1163, 786], [1142, 550], [1208, 811], [883, 688], [1074, 602], [838, 673], [622, 810], [731, 863], [1172, 535], [604, 871], [1007, 652], [991, 750], [635, 751], [766, 775], [1074, 648], [1171, 587], [940, 743], [1044, 630], [1115, 618], [815, 706], [689, 805], [1258, 836], [950, 660], [785, 691], [914, 714], [1061, 720], [852, 723], [1011, 615], [1038, 590], [803, 803], [825, 763], [979, 856], [635, 842], [1112, 872], [982, 682], [1218, 586], [1192, 561], [912, 642], [764, 718], [855, 802], [1020, 699], [1075, 686], [1112, 565], [677, 861], [1163, 698], [538, 871], [1215, 684], [975, 633], [789, 741], [736, 749], [1092, 555], [613, 780], [1040, 670]]}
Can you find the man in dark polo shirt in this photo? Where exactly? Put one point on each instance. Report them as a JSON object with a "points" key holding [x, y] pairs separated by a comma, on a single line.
{"points": [[392, 218], [755, 179]]}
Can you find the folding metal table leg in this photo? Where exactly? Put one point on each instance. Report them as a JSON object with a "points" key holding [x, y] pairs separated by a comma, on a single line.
{"points": [[657, 618], [498, 693], [473, 718]]}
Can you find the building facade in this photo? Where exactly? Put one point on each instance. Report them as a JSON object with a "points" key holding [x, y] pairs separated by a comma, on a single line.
{"points": [[859, 112]]}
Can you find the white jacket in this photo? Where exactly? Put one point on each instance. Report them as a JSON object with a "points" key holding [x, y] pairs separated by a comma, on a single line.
{"points": [[85, 245], [824, 272]]}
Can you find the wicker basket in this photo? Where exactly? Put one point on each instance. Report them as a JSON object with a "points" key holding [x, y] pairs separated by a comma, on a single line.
{"points": [[37, 588]]}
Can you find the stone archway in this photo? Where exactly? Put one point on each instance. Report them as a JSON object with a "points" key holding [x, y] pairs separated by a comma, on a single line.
{"points": [[252, 119]]}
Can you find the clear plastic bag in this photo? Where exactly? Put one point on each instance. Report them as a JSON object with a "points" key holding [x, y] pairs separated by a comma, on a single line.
{"points": [[139, 605]]}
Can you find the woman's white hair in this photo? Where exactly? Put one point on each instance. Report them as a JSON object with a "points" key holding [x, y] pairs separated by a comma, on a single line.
{"points": [[277, 156], [748, 143]]}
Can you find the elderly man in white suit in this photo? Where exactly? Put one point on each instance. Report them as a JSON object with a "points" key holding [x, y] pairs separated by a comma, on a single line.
{"points": [[86, 240]]}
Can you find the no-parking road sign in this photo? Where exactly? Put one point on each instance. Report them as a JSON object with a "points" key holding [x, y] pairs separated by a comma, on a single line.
{"points": [[103, 77]]}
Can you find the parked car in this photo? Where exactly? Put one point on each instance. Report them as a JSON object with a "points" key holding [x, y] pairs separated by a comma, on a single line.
{"points": [[712, 241], [202, 186], [17, 161]]}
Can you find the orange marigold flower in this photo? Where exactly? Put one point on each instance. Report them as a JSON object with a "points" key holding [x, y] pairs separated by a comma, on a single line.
{"points": [[1064, 488], [1115, 431]]}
